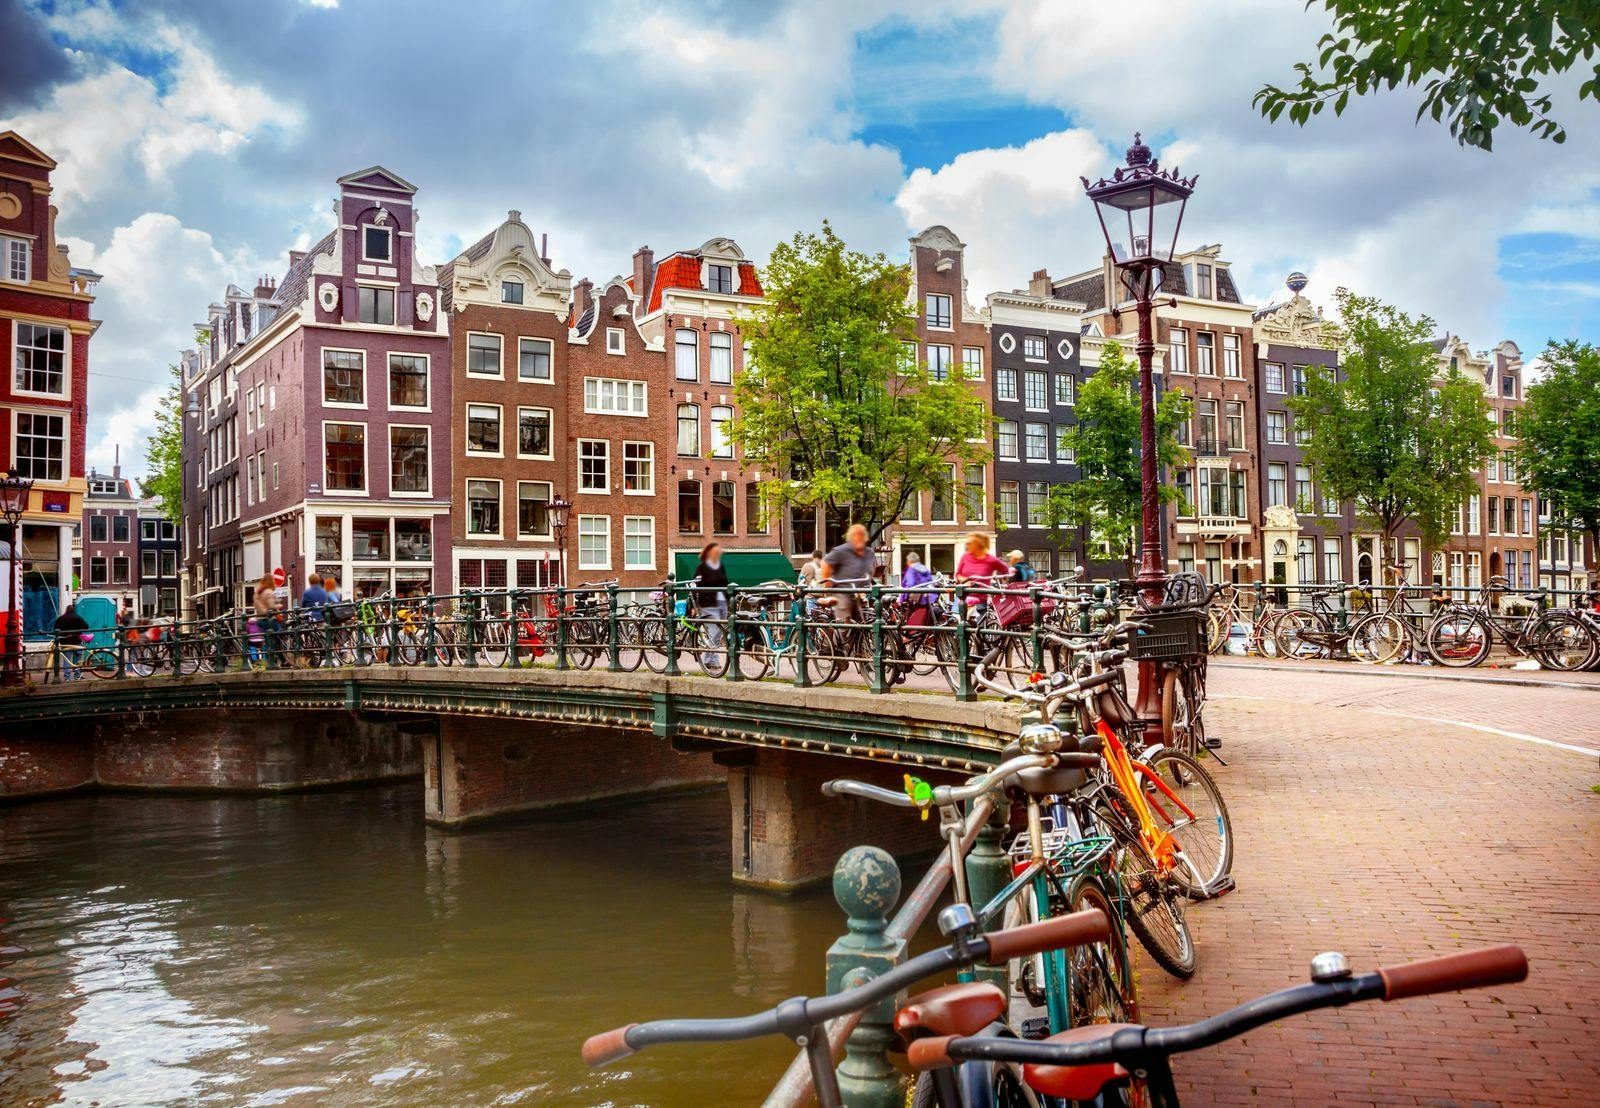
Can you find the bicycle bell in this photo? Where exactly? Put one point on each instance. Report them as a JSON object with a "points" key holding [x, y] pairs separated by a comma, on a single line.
{"points": [[1040, 738]]}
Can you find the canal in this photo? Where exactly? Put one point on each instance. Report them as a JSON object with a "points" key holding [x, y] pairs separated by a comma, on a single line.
{"points": [[329, 948]]}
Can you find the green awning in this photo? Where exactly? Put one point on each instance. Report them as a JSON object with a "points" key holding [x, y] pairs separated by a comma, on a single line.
{"points": [[745, 567]]}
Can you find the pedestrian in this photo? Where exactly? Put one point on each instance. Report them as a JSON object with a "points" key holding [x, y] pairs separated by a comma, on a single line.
{"points": [[711, 596], [262, 622], [314, 599], [811, 569], [849, 565], [1021, 571], [338, 610], [71, 632]]}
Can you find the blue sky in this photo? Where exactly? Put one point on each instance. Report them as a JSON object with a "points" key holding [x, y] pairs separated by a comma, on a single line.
{"points": [[199, 142]]}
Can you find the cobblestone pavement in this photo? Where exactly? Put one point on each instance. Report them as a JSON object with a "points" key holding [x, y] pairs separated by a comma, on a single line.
{"points": [[1393, 837]]}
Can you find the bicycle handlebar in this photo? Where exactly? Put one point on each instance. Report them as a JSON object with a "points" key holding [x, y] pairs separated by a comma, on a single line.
{"points": [[942, 795]]}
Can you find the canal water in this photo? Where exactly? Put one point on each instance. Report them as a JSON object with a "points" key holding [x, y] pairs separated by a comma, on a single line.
{"points": [[329, 948]]}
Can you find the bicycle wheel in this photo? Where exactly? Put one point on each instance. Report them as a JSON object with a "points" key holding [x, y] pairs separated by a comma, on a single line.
{"points": [[1289, 631], [1155, 903], [1378, 639], [1218, 627], [1103, 988], [1459, 637], [1263, 634], [1562, 642], [1194, 814], [141, 660], [755, 656], [1181, 726], [824, 657]]}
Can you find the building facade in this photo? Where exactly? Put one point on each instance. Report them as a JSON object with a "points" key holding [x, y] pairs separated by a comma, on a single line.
{"points": [[109, 540], [159, 555], [44, 344]]}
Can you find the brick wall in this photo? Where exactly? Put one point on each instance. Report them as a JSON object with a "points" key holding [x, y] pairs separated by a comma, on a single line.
{"points": [[30, 767]]}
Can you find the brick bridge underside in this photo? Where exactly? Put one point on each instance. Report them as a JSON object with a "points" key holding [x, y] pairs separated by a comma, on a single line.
{"points": [[491, 742]]}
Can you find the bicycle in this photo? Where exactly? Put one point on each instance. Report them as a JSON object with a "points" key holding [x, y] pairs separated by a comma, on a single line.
{"points": [[1375, 637], [1463, 634], [1083, 1063], [805, 1019]]}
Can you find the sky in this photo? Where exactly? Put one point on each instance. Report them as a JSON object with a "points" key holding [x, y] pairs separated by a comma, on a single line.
{"points": [[200, 141]]}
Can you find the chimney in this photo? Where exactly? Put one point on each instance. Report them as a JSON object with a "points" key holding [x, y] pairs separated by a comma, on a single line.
{"points": [[116, 460], [295, 256], [644, 268], [582, 294], [544, 248], [265, 287], [1039, 283]]}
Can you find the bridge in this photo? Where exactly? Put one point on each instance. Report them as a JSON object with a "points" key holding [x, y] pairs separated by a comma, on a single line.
{"points": [[493, 741]]}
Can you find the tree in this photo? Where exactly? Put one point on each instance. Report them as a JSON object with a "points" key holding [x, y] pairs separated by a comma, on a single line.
{"points": [[1384, 431], [831, 410], [1559, 429], [1108, 498], [1477, 60], [165, 452]]}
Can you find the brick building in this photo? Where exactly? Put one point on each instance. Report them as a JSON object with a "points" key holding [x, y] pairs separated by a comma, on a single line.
{"points": [[44, 343], [507, 314], [159, 555], [109, 540]]}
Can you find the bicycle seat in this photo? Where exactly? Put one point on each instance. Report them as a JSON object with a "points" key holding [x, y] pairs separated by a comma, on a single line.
{"points": [[951, 1010], [1069, 774], [1076, 1082]]}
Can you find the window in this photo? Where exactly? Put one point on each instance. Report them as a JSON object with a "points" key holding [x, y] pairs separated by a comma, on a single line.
{"points": [[16, 260], [1178, 350], [1302, 435], [972, 362], [376, 244], [121, 529], [120, 568], [607, 396], [1331, 570], [1005, 440], [638, 542], [908, 357], [721, 444], [1033, 348], [638, 468], [408, 460], [1277, 484], [369, 540], [755, 510], [1277, 427], [1064, 451], [1508, 468], [483, 355], [510, 291], [719, 278], [1298, 380], [975, 501], [41, 359], [1038, 442], [533, 360], [533, 432], [689, 507], [1064, 388], [938, 310], [344, 448], [1038, 503], [594, 542], [1205, 344], [594, 465], [147, 530], [1494, 517], [1508, 386], [616, 342], [1274, 376], [97, 570], [1005, 384], [1508, 423], [1035, 394], [939, 362], [533, 509], [483, 507], [942, 508], [344, 377], [375, 305], [1206, 419], [1202, 281], [1527, 516], [169, 563], [483, 429], [1234, 414], [722, 493], [1009, 503], [721, 358], [329, 539], [1474, 513], [686, 354], [1305, 498], [689, 430], [1232, 366], [408, 381], [99, 529]]}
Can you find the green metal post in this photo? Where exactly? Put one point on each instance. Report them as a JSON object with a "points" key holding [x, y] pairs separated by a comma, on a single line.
{"points": [[613, 631], [474, 613], [431, 639], [988, 871], [1038, 617], [514, 626], [802, 676], [878, 684], [963, 648], [218, 659], [561, 627], [866, 884], [122, 650], [730, 635], [672, 629]]}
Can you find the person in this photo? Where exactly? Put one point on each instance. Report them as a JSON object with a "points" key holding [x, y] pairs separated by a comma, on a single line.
{"points": [[711, 597], [1021, 571], [338, 610], [978, 566], [811, 569], [263, 620], [915, 574], [850, 564], [70, 629], [314, 598]]}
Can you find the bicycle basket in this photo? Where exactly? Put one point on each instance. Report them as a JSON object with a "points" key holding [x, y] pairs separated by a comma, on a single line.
{"points": [[1016, 609], [1068, 856], [1171, 635]]}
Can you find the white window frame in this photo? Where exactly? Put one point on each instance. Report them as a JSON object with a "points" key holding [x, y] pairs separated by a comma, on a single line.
{"points": [[678, 348], [322, 393], [720, 341], [1002, 376], [1055, 390], [972, 362], [65, 417], [929, 315], [66, 359], [500, 508], [629, 522], [378, 286], [616, 341], [1027, 399], [1232, 369], [466, 430], [634, 388], [428, 437], [721, 443], [1200, 369], [941, 356], [8, 244], [427, 381], [1283, 377], [605, 530], [366, 458], [388, 234], [1027, 440], [649, 460], [549, 495], [1016, 441], [1028, 346], [550, 413], [590, 490], [499, 373], [524, 341], [1178, 350]]}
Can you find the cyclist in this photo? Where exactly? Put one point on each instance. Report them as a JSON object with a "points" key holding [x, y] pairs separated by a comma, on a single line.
{"points": [[850, 563], [70, 629], [1021, 571]]}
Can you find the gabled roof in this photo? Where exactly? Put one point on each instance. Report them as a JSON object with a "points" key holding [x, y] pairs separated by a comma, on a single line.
{"points": [[682, 271], [14, 146], [447, 271], [1089, 291], [377, 177], [292, 289]]}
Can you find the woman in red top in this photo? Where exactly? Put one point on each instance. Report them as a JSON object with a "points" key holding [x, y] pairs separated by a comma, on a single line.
{"points": [[979, 567]]}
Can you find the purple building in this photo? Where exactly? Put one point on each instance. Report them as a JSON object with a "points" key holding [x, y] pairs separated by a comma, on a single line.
{"points": [[342, 401]]}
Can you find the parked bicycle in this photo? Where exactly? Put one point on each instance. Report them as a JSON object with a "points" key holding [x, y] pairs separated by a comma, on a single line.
{"points": [[1464, 633]]}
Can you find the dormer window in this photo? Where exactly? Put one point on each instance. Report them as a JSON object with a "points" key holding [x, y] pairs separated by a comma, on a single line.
{"points": [[376, 244], [615, 342], [14, 258], [376, 305], [719, 278], [510, 291]]}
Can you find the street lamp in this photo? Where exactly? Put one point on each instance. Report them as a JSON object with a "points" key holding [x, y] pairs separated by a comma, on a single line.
{"points": [[1140, 207], [558, 509], [14, 490]]}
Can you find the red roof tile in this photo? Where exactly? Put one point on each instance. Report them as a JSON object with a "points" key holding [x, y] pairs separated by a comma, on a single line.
{"points": [[682, 271]]}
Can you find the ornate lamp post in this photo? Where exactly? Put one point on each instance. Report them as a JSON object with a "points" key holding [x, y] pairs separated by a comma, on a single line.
{"points": [[1141, 210], [14, 490], [558, 509]]}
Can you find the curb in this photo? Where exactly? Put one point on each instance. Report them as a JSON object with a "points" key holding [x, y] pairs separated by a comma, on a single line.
{"points": [[1409, 672]]}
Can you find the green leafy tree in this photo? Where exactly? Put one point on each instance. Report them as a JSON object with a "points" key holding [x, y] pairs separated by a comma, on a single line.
{"points": [[1559, 429], [831, 410], [1478, 61], [164, 452], [1386, 432], [1108, 497]]}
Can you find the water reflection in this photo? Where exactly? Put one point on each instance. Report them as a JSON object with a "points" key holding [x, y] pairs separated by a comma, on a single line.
{"points": [[329, 948]]}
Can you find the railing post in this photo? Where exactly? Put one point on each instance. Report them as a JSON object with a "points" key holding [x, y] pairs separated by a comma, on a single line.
{"points": [[120, 637], [866, 884], [878, 684], [474, 613], [561, 627], [672, 669], [963, 647], [218, 660], [327, 637], [802, 676], [730, 639], [514, 627], [1038, 617], [431, 637], [988, 870], [394, 632], [613, 631]]}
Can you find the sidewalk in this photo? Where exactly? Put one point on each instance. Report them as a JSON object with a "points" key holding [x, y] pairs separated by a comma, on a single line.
{"points": [[1499, 672]]}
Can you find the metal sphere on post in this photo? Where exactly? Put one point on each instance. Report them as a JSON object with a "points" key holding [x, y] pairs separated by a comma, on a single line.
{"points": [[866, 884]]}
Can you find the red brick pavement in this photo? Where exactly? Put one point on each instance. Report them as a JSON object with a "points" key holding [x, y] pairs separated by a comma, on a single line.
{"points": [[1393, 840]]}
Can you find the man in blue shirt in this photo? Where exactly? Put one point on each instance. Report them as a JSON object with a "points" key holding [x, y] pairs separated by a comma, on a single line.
{"points": [[314, 598]]}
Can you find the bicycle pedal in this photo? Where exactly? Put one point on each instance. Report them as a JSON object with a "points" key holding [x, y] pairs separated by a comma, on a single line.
{"points": [[1218, 888], [1035, 1027]]}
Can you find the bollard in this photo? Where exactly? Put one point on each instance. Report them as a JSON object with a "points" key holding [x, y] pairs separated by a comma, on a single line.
{"points": [[866, 884], [988, 871], [797, 612], [431, 639]]}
